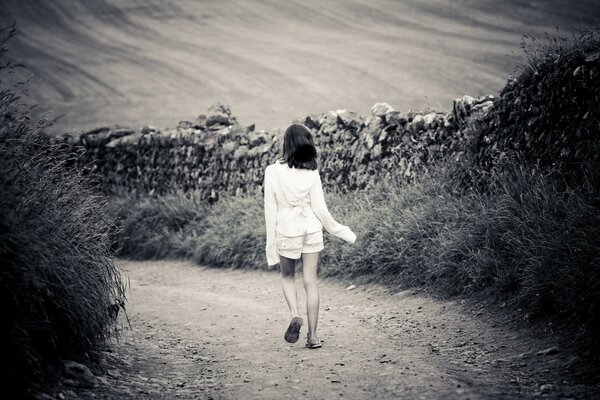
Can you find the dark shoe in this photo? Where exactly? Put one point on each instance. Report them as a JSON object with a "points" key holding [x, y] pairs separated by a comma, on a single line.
{"points": [[293, 331]]}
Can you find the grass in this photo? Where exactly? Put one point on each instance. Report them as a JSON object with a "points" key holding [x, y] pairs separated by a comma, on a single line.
{"points": [[526, 239], [517, 219], [59, 284]]}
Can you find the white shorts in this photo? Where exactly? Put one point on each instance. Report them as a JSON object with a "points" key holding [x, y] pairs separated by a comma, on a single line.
{"points": [[293, 246]]}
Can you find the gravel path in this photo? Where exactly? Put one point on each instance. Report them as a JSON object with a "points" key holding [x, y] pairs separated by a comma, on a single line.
{"points": [[209, 333]]}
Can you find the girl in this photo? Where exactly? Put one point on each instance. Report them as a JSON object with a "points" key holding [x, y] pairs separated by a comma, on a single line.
{"points": [[295, 214]]}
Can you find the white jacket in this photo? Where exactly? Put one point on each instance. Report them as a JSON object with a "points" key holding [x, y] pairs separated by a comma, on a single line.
{"points": [[295, 205]]}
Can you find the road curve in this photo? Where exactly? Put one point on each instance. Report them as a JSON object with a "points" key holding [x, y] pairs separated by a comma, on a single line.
{"points": [[210, 333]]}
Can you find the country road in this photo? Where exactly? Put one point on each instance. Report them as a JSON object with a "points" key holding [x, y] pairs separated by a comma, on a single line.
{"points": [[210, 333]]}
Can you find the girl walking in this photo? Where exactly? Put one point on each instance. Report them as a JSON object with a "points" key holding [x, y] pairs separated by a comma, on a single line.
{"points": [[295, 214]]}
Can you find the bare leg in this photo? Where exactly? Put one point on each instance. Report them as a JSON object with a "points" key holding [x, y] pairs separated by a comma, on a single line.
{"points": [[309, 271], [288, 283]]}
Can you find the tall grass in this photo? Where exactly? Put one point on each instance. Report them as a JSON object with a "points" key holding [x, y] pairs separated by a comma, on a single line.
{"points": [[59, 284], [527, 239]]}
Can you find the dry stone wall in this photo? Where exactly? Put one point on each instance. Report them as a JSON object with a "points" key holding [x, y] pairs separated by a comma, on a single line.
{"points": [[215, 154]]}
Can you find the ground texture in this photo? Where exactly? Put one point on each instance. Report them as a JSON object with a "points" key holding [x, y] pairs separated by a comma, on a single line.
{"points": [[211, 333]]}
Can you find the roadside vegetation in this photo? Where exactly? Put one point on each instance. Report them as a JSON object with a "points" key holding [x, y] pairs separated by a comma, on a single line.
{"points": [[517, 222], [60, 288]]}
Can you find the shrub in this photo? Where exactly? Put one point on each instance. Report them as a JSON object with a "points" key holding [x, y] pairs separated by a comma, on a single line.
{"points": [[527, 240], [157, 226], [58, 281]]}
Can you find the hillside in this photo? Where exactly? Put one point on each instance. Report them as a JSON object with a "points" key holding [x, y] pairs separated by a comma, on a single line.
{"points": [[159, 62]]}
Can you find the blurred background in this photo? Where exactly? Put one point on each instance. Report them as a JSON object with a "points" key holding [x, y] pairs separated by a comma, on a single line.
{"points": [[137, 62]]}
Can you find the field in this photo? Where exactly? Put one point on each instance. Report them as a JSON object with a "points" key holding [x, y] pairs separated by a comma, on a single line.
{"points": [[157, 62]]}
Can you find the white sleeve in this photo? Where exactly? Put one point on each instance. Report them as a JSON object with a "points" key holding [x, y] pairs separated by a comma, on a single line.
{"points": [[317, 202], [270, 219]]}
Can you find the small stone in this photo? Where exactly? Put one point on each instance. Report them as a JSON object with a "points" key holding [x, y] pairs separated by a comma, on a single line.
{"points": [[81, 374], [351, 287], [380, 109], [394, 118], [146, 129], [429, 121], [417, 124]]}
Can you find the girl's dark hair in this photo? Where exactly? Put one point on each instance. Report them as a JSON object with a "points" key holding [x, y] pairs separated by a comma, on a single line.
{"points": [[298, 148]]}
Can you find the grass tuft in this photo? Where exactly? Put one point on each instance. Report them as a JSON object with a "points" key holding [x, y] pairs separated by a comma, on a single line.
{"points": [[59, 284]]}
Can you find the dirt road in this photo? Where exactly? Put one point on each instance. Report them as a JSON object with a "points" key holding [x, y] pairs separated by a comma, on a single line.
{"points": [[208, 333]]}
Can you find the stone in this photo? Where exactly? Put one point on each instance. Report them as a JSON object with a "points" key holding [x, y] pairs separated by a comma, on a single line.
{"points": [[229, 147], [81, 374], [220, 108], [429, 121], [383, 135], [97, 136], [200, 122], [131, 139], [184, 125], [224, 131], [349, 119], [312, 122], [146, 129], [120, 132], [240, 152], [461, 107], [395, 118], [483, 107], [328, 123], [351, 287], [417, 124], [376, 152], [371, 134], [257, 139], [380, 109], [218, 119]]}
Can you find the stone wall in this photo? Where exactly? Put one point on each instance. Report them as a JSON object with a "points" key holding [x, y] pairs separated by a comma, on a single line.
{"points": [[215, 154]]}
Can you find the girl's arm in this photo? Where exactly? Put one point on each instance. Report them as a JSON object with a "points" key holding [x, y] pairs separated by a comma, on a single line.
{"points": [[270, 218], [317, 201]]}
